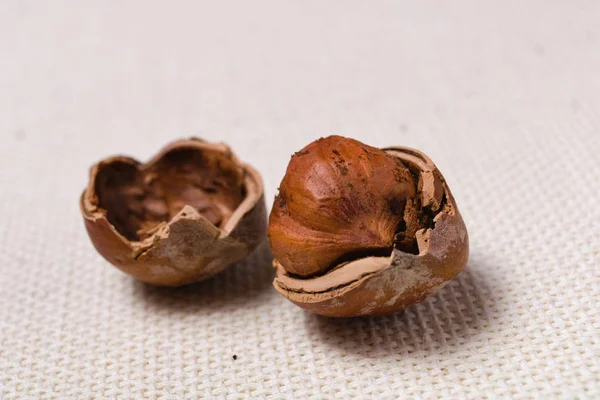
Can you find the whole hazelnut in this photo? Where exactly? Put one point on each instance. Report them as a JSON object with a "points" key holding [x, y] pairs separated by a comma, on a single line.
{"points": [[357, 230], [190, 212]]}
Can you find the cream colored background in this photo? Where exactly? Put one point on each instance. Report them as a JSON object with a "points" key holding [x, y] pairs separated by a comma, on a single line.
{"points": [[504, 96]]}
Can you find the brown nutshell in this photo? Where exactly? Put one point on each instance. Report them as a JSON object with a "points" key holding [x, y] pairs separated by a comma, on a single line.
{"points": [[357, 230], [190, 212]]}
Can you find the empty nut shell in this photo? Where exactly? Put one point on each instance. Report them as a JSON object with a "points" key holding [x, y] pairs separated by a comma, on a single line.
{"points": [[360, 231], [190, 212]]}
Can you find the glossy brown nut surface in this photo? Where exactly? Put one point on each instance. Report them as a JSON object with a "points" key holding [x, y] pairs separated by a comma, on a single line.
{"points": [[347, 210], [190, 212]]}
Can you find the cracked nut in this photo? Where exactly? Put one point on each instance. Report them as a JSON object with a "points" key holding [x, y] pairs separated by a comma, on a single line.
{"points": [[189, 213], [358, 231]]}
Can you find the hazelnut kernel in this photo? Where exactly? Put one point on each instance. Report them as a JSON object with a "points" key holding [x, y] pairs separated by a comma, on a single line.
{"points": [[357, 230]]}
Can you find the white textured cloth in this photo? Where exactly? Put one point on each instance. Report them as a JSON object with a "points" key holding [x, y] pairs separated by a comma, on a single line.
{"points": [[504, 97]]}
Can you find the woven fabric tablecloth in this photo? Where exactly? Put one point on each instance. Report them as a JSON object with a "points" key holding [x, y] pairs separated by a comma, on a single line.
{"points": [[504, 97]]}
